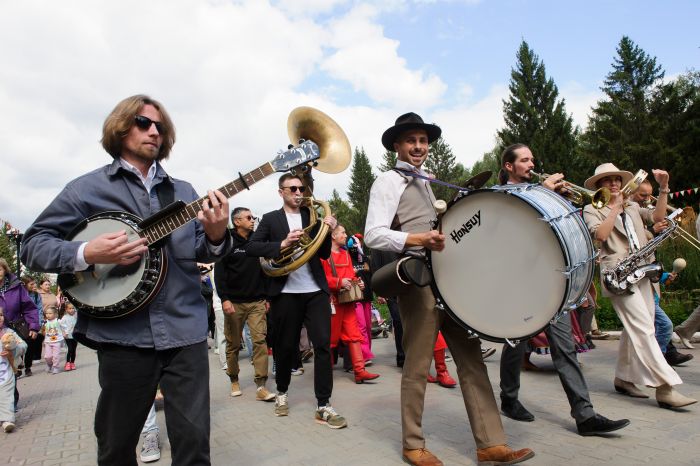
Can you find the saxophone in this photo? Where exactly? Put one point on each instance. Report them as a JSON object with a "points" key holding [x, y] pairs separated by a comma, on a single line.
{"points": [[620, 278]]}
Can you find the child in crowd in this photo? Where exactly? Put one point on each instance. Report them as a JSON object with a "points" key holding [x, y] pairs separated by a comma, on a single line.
{"points": [[12, 350], [53, 339], [67, 325]]}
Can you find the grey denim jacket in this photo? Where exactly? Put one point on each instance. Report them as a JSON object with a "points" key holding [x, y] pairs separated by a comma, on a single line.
{"points": [[177, 316]]}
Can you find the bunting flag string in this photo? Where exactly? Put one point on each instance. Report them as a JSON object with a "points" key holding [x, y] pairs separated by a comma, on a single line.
{"points": [[683, 192]]}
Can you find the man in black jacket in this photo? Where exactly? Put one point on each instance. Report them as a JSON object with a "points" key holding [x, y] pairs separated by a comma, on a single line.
{"points": [[240, 284], [301, 297]]}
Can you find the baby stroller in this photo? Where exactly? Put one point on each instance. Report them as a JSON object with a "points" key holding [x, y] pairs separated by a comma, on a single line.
{"points": [[380, 327]]}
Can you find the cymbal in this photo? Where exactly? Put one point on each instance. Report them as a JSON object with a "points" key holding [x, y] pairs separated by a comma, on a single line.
{"points": [[314, 125], [478, 180]]}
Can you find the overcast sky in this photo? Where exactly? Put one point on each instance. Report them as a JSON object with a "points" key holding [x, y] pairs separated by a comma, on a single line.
{"points": [[229, 73]]}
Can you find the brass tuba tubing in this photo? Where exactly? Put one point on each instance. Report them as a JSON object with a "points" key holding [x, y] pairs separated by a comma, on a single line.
{"points": [[579, 195], [296, 255]]}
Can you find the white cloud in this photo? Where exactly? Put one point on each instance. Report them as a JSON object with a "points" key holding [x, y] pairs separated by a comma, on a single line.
{"points": [[309, 7], [470, 129], [370, 62], [579, 101], [228, 72]]}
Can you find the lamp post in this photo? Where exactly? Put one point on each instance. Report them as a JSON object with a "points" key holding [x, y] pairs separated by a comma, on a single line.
{"points": [[14, 233]]}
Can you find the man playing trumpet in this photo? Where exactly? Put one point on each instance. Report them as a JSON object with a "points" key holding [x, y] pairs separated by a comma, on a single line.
{"points": [[517, 163]]}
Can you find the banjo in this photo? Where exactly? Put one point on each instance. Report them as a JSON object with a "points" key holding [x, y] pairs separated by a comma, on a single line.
{"points": [[109, 290]]}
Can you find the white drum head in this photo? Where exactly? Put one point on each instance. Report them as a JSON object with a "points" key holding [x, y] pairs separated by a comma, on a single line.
{"points": [[500, 273]]}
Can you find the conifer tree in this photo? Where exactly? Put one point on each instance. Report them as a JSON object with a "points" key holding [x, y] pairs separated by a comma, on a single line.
{"points": [[441, 162], [388, 161], [622, 129], [534, 115], [361, 181], [340, 209]]}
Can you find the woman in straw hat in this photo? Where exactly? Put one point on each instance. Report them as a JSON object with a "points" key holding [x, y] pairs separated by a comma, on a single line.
{"points": [[620, 229]]}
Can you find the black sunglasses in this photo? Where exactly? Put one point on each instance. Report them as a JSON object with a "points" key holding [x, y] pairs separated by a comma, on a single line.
{"points": [[145, 123], [247, 217], [294, 189]]}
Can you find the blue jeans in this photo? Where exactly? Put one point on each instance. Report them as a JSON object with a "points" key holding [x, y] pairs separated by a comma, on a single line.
{"points": [[151, 425], [663, 327]]}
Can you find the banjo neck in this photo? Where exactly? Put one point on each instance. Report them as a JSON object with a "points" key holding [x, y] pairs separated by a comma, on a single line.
{"points": [[171, 222]]}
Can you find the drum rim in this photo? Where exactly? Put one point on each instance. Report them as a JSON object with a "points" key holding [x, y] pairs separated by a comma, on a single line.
{"points": [[439, 299]]}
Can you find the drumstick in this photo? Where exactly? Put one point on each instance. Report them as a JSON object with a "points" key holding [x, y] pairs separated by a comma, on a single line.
{"points": [[440, 207]]}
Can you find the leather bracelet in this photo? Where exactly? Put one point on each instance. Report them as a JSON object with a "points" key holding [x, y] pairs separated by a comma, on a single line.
{"points": [[664, 191]]}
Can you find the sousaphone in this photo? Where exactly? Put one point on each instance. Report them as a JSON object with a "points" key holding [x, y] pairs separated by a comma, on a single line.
{"points": [[309, 124]]}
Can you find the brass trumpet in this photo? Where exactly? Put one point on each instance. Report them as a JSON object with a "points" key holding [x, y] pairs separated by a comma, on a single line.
{"points": [[579, 195], [633, 184]]}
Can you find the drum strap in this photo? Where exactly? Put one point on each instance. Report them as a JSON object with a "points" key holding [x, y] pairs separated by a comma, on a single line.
{"points": [[430, 180]]}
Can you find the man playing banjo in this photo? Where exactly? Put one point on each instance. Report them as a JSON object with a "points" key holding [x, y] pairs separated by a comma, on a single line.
{"points": [[517, 162], [164, 343], [399, 219]]}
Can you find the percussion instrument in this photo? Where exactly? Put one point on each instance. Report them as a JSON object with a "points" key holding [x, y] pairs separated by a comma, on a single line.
{"points": [[515, 258]]}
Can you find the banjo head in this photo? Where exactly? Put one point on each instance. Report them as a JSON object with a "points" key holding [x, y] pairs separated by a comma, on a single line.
{"points": [[108, 290]]}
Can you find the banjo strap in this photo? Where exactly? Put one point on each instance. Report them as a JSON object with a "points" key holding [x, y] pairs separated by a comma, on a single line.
{"points": [[165, 192]]}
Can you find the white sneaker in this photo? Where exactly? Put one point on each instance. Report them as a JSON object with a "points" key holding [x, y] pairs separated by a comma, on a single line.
{"points": [[224, 367], [281, 405], [8, 426], [299, 371], [150, 450]]}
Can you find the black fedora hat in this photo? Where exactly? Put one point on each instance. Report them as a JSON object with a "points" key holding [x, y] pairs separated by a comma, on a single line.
{"points": [[404, 123]]}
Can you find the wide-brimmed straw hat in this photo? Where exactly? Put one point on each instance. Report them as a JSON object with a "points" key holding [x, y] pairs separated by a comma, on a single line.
{"points": [[607, 169], [404, 123]]}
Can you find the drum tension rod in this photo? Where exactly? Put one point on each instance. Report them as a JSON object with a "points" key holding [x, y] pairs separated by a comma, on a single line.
{"points": [[558, 217]]}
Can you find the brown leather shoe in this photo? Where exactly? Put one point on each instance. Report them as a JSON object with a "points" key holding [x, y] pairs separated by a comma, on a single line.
{"points": [[420, 457], [502, 454]]}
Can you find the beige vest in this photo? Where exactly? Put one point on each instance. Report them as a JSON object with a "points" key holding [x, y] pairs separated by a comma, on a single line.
{"points": [[415, 211]]}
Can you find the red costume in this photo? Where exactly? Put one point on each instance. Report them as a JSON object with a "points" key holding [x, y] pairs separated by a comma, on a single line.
{"points": [[344, 321]]}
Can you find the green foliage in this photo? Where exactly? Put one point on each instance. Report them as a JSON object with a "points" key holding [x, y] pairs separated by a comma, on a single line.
{"points": [[341, 210], [8, 248], [535, 116], [361, 181], [622, 129], [442, 163], [388, 161], [675, 115], [490, 161]]}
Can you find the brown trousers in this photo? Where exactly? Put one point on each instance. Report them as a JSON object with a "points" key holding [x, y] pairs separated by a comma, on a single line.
{"points": [[421, 321], [254, 314]]}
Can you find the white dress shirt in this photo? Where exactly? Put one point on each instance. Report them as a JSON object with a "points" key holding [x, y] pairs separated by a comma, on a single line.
{"points": [[383, 203]]}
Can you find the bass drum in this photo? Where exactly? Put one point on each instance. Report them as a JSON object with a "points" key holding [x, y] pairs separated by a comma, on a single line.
{"points": [[515, 257]]}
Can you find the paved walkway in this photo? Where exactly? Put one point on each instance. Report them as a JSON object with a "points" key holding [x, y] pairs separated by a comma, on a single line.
{"points": [[56, 416]]}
